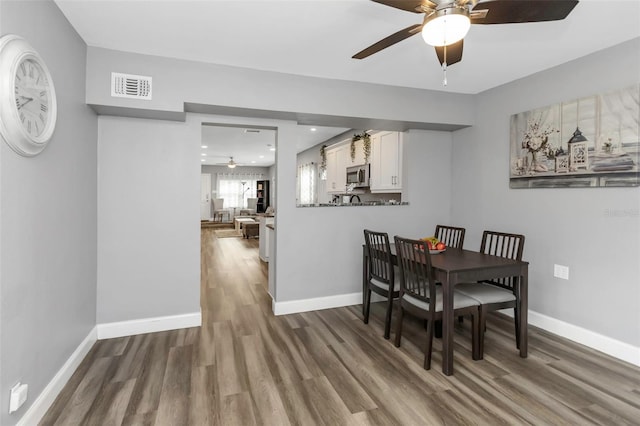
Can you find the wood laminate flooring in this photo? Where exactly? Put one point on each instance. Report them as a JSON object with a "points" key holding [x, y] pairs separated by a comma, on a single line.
{"points": [[246, 367]]}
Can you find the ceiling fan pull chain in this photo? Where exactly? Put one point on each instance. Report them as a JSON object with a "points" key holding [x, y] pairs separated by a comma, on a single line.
{"points": [[444, 68], [444, 74]]}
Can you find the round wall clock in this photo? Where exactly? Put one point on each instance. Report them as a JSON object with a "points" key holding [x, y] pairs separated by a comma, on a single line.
{"points": [[28, 107]]}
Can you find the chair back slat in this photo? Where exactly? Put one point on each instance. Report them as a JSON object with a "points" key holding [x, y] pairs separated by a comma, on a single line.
{"points": [[416, 274], [505, 245], [379, 256], [452, 236]]}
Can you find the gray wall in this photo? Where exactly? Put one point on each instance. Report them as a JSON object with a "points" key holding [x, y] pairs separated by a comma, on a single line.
{"points": [[476, 173], [330, 266], [47, 221], [148, 218], [325, 259], [176, 82], [570, 227]]}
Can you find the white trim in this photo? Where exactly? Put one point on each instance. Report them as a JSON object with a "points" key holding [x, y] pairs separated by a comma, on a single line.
{"points": [[620, 350], [148, 325], [316, 304], [615, 348], [43, 402]]}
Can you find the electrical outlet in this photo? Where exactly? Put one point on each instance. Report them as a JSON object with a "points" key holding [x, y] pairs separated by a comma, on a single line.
{"points": [[18, 396], [560, 271]]}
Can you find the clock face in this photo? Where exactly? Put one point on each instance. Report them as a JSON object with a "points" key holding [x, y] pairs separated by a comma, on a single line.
{"points": [[28, 109], [32, 91]]}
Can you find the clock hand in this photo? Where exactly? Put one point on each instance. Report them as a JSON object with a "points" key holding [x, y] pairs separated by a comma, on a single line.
{"points": [[25, 102]]}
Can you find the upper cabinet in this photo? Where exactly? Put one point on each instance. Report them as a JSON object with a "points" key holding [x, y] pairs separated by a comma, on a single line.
{"points": [[338, 159], [386, 162]]}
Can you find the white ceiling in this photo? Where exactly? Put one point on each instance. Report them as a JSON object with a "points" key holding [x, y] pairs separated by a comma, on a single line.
{"points": [[318, 37], [251, 146]]}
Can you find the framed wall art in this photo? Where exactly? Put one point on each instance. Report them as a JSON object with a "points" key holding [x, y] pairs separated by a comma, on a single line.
{"points": [[587, 142]]}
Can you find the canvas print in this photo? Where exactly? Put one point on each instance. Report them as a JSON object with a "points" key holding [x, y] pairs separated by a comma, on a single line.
{"points": [[588, 142]]}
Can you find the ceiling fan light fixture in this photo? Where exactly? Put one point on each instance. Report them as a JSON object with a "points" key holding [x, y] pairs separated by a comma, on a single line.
{"points": [[446, 26], [231, 164]]}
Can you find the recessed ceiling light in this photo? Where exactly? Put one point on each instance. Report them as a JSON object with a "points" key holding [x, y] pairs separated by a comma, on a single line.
{"points": [[253, 162], [272, 149], [313, 129], [204, 146], [203, 154], [262, 156], [202, 159]]}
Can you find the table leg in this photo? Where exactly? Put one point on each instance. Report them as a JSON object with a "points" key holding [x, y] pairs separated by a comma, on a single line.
{"points": [[524, 310], [447, 324]]}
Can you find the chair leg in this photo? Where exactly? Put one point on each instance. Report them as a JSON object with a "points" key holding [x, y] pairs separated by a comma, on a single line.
{"points": [[475, 336], [482, 326], [367, 305], [387, 319], [399, 326], [429, 346]]}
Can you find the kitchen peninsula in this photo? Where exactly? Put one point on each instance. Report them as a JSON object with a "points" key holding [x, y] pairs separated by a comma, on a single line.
{"points": [[361, 204]]}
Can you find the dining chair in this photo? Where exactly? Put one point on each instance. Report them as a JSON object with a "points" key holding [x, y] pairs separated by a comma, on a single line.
{"points": [[382, 278], [452, 236], [218, 209], [420, 296], [497, 293], [252, 204]]}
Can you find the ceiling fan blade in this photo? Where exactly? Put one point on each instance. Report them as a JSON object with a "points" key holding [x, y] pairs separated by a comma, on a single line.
{"points": [[511, 12], [415, 6], [388, 41], [454, 53]]}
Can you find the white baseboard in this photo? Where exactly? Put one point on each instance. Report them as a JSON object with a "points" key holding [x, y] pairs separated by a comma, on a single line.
{"points": [[316, 304], [148, 325], [615, 348], [43, 402], [102, 331]]}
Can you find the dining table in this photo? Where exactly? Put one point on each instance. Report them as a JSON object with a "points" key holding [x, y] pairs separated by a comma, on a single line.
{"points": [[454, 266]]}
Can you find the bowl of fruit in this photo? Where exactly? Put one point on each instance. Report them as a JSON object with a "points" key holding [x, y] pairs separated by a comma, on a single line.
{"points": [[434, 245]]}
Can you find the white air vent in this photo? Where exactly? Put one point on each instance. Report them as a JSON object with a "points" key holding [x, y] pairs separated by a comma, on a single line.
{"points": [[130, 86]]}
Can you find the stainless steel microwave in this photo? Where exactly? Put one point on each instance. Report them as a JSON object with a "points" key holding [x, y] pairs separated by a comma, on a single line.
{"points": [[358, 176]]}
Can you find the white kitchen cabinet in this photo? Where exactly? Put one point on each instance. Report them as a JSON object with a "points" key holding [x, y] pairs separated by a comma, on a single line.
{"points": [[386, 162], [338, 160]]}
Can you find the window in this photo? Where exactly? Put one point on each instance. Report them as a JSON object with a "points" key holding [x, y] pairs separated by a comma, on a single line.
{"points": [[307, 181], [235, 188]]}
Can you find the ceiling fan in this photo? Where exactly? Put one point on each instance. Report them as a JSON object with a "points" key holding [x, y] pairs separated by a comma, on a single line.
{"points": [[446, 22], [230, 164]]}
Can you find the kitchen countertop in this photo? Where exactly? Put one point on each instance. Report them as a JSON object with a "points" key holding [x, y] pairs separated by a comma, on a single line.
{"points": [[363, 204]]}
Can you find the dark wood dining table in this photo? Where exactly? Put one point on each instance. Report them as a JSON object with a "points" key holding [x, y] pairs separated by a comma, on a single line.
{"points": [[458, 265]]}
